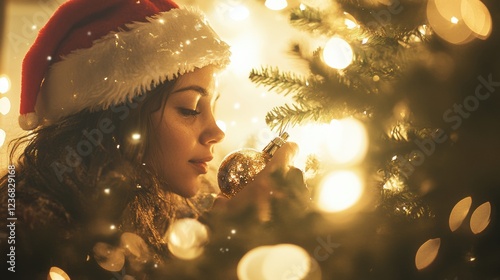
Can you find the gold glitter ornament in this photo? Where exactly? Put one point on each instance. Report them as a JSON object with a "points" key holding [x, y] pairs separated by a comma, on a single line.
{"points": [[240, 167]]}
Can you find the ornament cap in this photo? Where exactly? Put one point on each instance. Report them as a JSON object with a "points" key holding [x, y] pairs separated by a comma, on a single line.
{"points": [[275, 144]]}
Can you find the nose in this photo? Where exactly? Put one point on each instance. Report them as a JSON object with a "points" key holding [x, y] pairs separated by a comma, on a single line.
{"points": [[213, 133]]}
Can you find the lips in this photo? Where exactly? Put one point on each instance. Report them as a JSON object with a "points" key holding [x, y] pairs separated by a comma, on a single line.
{"points": [[201, 165]]}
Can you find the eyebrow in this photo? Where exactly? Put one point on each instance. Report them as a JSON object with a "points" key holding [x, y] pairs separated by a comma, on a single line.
{"points": [[198, 89]]}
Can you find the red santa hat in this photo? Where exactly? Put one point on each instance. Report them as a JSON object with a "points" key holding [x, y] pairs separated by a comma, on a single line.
{"points": [[92, 54]]}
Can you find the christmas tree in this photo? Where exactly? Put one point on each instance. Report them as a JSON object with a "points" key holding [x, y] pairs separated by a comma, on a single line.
{"points": [[420, 77], [394, 65]]}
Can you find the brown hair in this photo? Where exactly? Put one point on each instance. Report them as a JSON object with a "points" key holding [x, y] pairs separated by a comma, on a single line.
{"points": [[89, 165]]}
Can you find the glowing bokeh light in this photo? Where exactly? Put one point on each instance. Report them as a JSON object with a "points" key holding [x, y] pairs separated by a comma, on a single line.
{"points": [[459, 212], [477, 17], [250, 266], [337, 53], [449, 9], [459, 21], [239, 13], [480, 218], [427, 253], [311, 139], [282, 261], [109, 257], [4, 105], [440, 14], [339, 191], [3, 135], [343, 142], [4, 84], [186, 238], [276, 5], [136, 136], [135, 245], [55, 273], [286, 261], [349, 141]]}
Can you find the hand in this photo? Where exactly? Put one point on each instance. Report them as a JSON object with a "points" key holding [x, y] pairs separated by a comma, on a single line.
{"points": [[259, 192]]}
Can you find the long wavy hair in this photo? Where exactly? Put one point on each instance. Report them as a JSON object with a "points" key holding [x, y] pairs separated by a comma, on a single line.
{"points": [[92, 164]]}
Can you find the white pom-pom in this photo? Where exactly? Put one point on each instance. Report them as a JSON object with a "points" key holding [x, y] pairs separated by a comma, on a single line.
{"points": [[28, 121]]}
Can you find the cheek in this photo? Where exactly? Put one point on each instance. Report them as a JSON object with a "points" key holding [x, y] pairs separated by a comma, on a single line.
{"points": [[174, 141]]}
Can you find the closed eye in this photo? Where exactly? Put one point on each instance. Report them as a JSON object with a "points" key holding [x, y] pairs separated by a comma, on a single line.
{"points": [[188, 112]]}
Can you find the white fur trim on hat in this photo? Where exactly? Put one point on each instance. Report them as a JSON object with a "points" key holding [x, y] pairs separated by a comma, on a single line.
{"points": [[128, 63]]}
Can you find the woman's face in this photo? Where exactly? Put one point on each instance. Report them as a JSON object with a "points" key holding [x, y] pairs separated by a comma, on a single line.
{"points": [[186, 132]]}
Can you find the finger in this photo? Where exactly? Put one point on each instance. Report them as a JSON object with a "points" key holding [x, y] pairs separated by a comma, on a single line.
{"points": [[283, 157]]}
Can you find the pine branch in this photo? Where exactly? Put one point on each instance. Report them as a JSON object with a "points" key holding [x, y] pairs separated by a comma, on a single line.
{"points": [[311, 20], [282, 82], [294, 114], [405, 204], [283, 116], [413, 37]]}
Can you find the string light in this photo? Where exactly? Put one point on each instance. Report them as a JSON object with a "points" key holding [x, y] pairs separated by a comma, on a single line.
{"points": [[337, 53]]}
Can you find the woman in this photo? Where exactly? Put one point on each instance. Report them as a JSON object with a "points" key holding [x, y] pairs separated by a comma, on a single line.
{"points": [[120, 99]]}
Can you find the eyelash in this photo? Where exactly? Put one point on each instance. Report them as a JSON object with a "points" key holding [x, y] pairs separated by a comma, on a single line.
{"points": [[189, 112]]}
